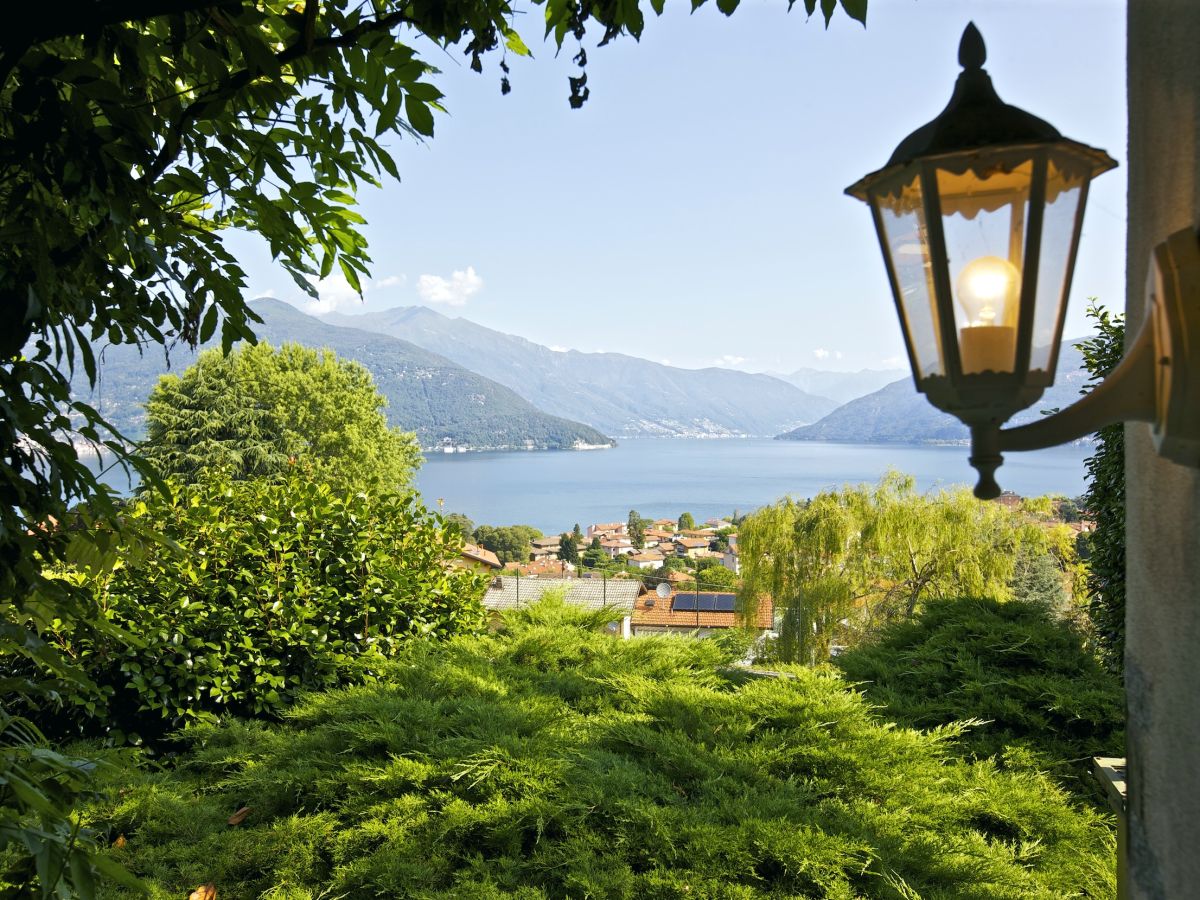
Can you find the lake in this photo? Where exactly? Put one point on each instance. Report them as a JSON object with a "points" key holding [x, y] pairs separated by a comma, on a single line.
{"points": [[662, 477]]}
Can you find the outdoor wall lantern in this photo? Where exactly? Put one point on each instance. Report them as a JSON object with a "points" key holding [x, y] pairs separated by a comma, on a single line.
{"points": [[979, 214]]}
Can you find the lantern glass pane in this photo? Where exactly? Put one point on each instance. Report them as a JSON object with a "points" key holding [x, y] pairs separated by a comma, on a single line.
{"points": [[1064, 185], [985, 205], [902, 214]]}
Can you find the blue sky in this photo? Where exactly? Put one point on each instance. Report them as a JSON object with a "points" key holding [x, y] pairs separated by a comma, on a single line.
{"points": [[692, 211]]}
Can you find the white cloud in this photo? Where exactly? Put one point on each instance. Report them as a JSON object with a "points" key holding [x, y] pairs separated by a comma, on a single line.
{"points": [[729, 360], [453, 291], [837, 354], [893, 362], [821, 353], [665, 362], [558, 349], [335, 293]]}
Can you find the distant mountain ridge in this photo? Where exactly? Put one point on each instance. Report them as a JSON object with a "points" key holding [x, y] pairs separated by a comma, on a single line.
{"points": [[621, 395], [898, 414], [444, 403], [841, 387]]}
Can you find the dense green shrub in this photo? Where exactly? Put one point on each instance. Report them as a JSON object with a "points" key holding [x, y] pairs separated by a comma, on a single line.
{"points": [[1105, 499], [1043, 700], [555, 762], [276, 586]]}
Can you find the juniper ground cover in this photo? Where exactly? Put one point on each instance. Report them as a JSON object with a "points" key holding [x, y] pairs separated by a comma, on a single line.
{"points": [[553, 761]]}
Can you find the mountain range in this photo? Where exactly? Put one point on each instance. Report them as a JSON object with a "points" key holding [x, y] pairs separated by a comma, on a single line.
{"points": [[444, 403], [896, 413], [621, 395], [841, 387]]}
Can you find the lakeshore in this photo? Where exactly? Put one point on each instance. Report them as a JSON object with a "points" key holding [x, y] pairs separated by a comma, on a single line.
{"points": [[662, 476]]}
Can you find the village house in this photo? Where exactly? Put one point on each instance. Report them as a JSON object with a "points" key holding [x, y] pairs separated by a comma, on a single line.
{"points": [[690, 546], [647, 559], [545, 548], [553, 567], [615, 547], [691, 613], [475, 557], [659, 535], [606, 529]]}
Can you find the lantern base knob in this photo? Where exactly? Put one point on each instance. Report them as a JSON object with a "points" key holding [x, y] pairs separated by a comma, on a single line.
{"points": [[986, 458]]}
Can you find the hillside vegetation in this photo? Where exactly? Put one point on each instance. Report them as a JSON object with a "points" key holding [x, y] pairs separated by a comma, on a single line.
{"points": [[553, 761]]}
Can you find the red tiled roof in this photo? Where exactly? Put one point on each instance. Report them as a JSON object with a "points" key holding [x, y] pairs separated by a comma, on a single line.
{"points": [[660, 612], [479, 554]]}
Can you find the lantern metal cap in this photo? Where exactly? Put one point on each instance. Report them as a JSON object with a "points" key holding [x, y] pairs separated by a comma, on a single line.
{"points": [[977, 119], [975, 116]]}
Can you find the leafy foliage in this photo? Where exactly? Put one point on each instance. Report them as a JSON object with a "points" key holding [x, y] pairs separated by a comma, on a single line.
{"points": [[257, 411], [712, 577], [866, 556], [510, 543], [554, 761], [1039, 700], [636, 529], [1104, 499], [1037, 579], [277, 587], [568, 548], [686, 522], [45, 851]]}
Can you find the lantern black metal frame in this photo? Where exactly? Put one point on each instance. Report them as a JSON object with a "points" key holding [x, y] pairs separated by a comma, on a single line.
{"points": [[978, 135]]}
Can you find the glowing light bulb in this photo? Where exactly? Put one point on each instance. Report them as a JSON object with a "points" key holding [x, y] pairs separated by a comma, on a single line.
{"points": [[985, 288]]}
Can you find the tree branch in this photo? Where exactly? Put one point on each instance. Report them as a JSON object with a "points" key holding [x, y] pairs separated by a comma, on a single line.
{"points": [[74, 17]]}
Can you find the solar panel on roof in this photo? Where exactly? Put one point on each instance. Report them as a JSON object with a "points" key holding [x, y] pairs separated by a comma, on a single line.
{"points": [[705, 603], [684, 603]]}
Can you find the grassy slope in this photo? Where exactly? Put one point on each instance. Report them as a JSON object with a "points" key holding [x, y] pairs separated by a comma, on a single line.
{"points": [[557, 762]]}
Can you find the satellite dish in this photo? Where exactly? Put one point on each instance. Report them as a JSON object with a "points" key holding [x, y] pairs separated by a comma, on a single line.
{"points": [[663, 590]]}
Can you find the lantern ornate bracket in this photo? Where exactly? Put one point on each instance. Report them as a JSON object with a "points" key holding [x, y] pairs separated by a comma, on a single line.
{"points": [[1157, 380], [979, 213]]}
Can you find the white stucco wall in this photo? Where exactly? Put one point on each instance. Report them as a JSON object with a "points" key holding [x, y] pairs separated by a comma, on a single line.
{"points": [[1163, 538]]}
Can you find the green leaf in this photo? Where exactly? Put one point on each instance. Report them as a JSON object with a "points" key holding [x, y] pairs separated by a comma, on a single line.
{"points": [[513, 42], [856, 9], [351, 275], [419, 116], [209, 326]]}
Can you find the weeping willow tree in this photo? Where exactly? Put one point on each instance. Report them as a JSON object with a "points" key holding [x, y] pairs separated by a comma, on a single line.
{"points": [[848, 561]]}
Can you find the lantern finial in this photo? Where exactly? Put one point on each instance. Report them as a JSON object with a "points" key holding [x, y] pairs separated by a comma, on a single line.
{"points": [[972, 53]]}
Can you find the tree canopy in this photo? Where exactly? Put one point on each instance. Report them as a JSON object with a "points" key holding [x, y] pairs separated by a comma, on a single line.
{"points": [[869, 555], [510, 543], [259, 411]]}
